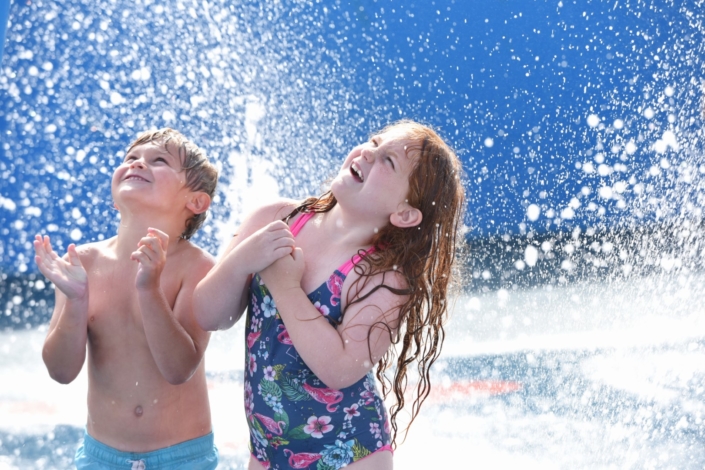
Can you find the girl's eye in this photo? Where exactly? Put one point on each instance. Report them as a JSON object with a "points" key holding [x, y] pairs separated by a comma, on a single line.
{"points": [[391, 162]]}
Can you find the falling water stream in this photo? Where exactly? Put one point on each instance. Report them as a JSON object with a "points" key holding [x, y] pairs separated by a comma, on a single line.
{"points": [[577, 338]]}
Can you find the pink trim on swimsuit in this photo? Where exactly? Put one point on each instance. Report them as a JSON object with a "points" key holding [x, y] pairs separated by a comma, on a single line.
{"points": [[388, 447], [345, 267]]}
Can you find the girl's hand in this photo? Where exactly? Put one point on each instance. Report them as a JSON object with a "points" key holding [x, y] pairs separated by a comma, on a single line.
{"points": [[265, 246], [151, 256], [68, 276], [286, 272]]}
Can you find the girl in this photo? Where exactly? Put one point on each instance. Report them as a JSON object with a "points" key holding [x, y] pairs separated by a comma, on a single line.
{"points": [[339, 280]]}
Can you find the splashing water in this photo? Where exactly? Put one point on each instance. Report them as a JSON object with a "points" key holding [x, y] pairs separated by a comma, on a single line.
{"points": [[580, 129]]}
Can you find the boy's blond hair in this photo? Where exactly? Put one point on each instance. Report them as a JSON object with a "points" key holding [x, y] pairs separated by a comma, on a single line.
{"points": [[201, 175]]}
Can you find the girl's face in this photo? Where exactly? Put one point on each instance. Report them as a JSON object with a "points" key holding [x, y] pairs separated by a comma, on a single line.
{"points": [[374, 178]]}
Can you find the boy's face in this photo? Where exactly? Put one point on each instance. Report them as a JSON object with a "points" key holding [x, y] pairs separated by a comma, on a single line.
{"points": [[150, 174]]}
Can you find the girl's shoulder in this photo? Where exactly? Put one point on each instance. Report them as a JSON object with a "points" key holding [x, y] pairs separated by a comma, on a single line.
{"points": [[275, 210], [388, 286], [266, 214]]}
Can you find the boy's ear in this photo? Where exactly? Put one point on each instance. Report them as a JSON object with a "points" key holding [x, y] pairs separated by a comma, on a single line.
{"points": [[406, 216], [199, 202]]}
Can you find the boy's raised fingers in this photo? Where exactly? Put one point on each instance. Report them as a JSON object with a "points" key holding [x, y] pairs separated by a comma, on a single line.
{"points": [[142, 254], [74, 259], [151, 243], [161, 236]]}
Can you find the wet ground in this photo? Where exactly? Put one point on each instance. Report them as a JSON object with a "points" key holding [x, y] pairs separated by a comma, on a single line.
{"points": [[576, 377]]}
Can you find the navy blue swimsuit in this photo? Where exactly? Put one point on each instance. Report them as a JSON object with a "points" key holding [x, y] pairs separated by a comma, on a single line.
{"points": [[295, 420]]}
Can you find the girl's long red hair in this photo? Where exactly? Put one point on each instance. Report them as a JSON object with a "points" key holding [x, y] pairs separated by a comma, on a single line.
{"points": [[423, 255]]}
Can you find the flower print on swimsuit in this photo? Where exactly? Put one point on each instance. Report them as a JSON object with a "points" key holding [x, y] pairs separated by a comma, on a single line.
{"points": [[255, 308], [269, 308], [375, 430], [313, 419], [351, 412], [368, 395], [322, 308], [269, 373], [335, 285], [249, 399], [317, 426], [252, 361], [338, 455]]}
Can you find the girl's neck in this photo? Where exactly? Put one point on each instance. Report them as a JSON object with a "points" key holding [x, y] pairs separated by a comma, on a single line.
{"points": [[346, 229]]}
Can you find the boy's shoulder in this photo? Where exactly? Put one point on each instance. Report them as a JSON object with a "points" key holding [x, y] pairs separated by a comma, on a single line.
{"points": [[195, 254], [94, 250]]}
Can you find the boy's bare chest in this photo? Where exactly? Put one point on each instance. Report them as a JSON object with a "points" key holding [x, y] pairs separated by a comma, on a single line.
{"points": [[113, 299]]}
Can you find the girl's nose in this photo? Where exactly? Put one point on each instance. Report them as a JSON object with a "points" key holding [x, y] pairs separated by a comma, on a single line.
{"points": [[368, 155]]}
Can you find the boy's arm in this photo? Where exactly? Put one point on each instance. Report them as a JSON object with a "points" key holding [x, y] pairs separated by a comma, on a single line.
{"points": [[221, 297], [176, 342], [64, 350]]}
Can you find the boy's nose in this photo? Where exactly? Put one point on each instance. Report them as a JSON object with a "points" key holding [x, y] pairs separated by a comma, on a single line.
{"points": [[137, 163], [368, 155]]}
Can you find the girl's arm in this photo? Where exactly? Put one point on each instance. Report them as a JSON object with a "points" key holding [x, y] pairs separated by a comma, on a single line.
{"points": [[221, 297], [339, 357], [64, 350]]}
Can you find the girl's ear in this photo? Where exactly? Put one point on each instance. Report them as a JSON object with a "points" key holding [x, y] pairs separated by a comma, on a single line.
{"points": [[198, 203], [406, 216]]}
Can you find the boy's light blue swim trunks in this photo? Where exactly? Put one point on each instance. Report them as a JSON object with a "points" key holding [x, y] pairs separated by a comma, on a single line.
{"points": [[196, 454]]}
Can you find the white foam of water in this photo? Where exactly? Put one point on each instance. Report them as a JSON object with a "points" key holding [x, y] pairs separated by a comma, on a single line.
{"points": [[251, 183], [634, 313]]}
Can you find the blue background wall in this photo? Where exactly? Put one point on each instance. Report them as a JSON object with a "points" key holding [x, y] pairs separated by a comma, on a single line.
{"points": [[566, 114]]}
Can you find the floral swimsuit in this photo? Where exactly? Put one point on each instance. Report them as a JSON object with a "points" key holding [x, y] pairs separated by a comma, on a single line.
{"points": [[295, 420]]}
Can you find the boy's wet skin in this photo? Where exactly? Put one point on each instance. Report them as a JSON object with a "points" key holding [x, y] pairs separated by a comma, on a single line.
{"points": [[121, 366], [124, 304]]}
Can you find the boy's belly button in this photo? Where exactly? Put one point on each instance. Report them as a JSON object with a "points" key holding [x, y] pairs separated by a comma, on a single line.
{"points": [[138, 411]]}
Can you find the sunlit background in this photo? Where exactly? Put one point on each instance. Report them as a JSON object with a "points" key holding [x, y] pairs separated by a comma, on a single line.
{"points": [[577, 338]]}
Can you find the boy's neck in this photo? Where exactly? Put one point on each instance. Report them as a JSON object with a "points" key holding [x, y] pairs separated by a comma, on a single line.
{"points": [[133, 227]]}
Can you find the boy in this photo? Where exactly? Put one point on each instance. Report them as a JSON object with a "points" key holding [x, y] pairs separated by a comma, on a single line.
{"points": [[129, 300]]}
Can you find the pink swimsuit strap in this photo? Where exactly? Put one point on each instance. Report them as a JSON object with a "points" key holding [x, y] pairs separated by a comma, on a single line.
{"points": [[345, 267]]}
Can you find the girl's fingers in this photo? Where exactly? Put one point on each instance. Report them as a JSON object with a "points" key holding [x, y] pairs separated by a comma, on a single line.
{"points": [[283, 251], [277, 225]]}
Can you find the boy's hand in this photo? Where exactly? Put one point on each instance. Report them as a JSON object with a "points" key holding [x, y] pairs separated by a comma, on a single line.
{"points": [[286, 272], [151, 255], [265, 246], [68, 276]]}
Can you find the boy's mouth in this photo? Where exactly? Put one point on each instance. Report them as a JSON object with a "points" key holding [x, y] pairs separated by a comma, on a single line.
{"points": [[135, 178], [356, 172]]}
